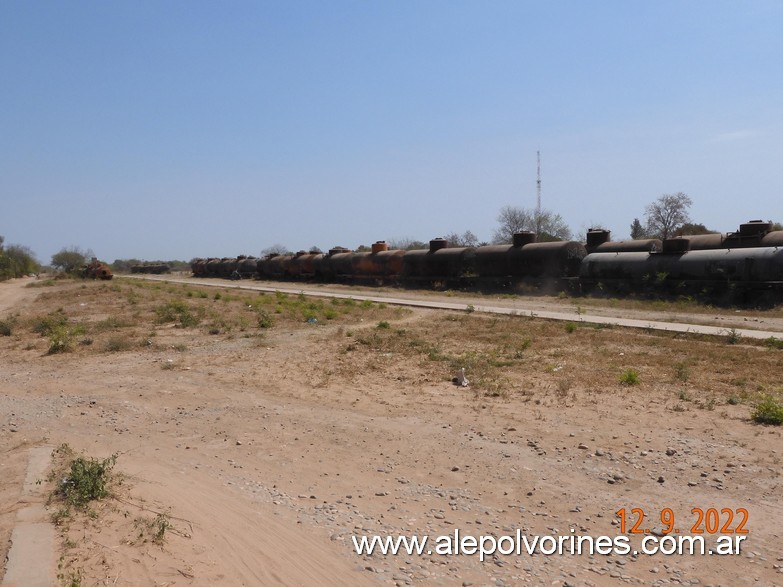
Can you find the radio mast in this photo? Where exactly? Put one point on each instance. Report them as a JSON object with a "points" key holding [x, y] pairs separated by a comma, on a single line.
{"points": [[538, 192]]}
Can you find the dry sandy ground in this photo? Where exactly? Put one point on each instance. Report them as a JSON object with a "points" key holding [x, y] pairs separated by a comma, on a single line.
{"points": [[267, 453]]}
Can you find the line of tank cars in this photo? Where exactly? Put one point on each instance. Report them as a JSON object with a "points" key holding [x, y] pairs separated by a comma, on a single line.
{"points": [[745, 261]]}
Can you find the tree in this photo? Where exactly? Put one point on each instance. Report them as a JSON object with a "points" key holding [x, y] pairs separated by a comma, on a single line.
{"points": [[690, 228], [70, 259], [547, 225], [406, 244], [16, 261], [666, 214], [637, 230], [275, 249], [466, 239]]}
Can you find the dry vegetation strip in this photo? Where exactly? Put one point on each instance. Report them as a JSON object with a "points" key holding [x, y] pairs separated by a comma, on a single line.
{"points": [[505, 357]]}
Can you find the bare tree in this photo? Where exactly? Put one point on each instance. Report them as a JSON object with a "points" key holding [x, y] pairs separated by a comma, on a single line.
{"points": [[547, 225], [275, 249], [666, 214], [466, 239], [406, 244]]}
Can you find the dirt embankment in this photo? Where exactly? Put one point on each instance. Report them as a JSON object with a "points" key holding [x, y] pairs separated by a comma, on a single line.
{"points": [[269, 430]]}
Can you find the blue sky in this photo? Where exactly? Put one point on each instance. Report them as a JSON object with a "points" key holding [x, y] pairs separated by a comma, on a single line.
{"points": [[175, 129]]}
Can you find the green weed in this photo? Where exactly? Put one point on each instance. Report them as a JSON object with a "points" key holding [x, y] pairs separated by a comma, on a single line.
{"points": [[768, 411], [630, 377]]}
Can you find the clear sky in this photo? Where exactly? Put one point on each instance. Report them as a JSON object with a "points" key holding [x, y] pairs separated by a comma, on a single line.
{"points": [[175, 129]]}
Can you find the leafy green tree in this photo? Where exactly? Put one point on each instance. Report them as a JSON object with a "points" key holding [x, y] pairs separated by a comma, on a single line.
{"points": [[71, 259], [690, 228], [16, 261], [637, 230]]}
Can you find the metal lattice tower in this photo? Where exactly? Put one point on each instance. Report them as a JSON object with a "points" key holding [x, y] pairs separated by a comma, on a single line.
{"points": [[538, 192]]}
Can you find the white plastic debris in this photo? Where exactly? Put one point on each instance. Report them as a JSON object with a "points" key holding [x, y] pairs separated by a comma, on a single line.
{"points": [[460, 378]]}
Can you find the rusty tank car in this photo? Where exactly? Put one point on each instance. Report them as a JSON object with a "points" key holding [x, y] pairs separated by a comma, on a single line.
{"points": [[96, 269]]}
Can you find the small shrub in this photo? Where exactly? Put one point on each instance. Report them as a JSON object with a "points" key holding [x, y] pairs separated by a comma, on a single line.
{"points": [[774, 343], [383, 324], [116, 344], [45, 325], [6, 327], [630, 377], [330, 314], [177, 311], [160, 524], [217, 295], [570, 327], [265, 319], [60, 340], [768, 411], [682, 371], [733, 337], [111, 323], [88, 479], [733, 400]]}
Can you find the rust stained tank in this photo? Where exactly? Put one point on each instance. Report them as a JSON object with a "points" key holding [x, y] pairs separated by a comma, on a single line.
{"points": [[494, 261], [97, 270], [341, 263], [380, 263], [526, 259], [322, 264], [310, 262], [276, 266], [599, 241], [212, 267], [754, 233], [227, 266], [703, 242], [247, 267], [151, 268], [548, 260], [295, 265], [198, 267], [303, 264], [439, 262]]}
